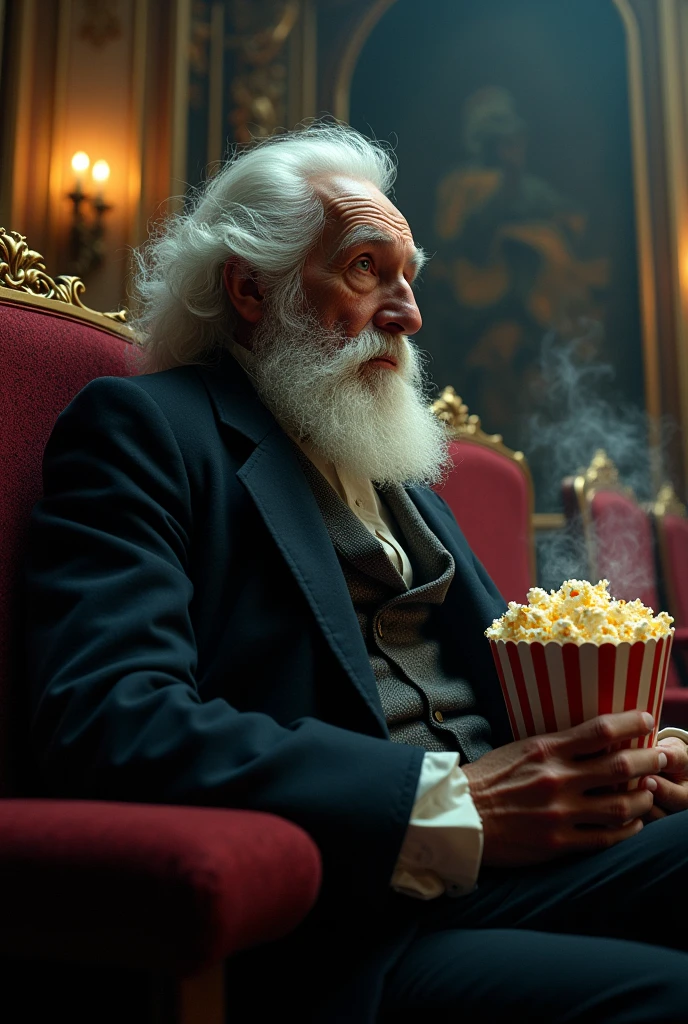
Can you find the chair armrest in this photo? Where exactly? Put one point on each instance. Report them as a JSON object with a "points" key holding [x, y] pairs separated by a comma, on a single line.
{"points": [[138, 885]]}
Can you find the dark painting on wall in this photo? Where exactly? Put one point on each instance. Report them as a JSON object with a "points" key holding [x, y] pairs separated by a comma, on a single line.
{"points": [[511, 125]]}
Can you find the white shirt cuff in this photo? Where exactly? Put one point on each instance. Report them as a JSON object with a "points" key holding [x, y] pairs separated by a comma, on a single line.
{"points": [[672, 730], [443, 846]]}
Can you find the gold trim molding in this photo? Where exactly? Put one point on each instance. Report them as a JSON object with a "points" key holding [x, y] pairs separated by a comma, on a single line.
{"points": [[347, 66], [673, 37], [549, 521], [23, 270], [643, 209]]}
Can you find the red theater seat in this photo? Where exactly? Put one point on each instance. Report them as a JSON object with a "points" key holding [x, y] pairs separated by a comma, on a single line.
{"points": [[619, 543], [489, 489], [160, 889], [671, 530]]}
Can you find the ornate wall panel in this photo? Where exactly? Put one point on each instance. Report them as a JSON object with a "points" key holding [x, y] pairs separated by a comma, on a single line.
{"points": [[251, 71], [93, 76], [655, 40]]}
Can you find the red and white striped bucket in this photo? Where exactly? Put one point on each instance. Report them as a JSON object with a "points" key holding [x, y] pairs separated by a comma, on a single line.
{"points": [[553, 686]]}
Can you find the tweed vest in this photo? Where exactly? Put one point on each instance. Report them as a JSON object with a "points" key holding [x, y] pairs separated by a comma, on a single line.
{"points": [[423, 704]]}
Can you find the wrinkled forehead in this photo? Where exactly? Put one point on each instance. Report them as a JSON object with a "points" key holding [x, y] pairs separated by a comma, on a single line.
{"points": [[350, 203]]}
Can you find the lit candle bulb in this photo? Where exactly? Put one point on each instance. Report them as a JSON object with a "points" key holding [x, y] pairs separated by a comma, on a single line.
{"points": [[80, 163], [100, 172]]}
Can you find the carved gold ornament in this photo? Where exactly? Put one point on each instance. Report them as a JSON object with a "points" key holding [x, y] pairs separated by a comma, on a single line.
{"points": [[602, 475], [667, 502], [452, 410], [259, 87], [22, 269]]}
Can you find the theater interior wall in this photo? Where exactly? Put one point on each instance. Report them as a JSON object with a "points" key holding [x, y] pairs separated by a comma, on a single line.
{"points": [[160, 88]]}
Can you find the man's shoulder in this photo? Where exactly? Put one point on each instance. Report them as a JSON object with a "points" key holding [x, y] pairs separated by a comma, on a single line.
{"points": [[163, 385], [166, 387], [179, 393], [426, 498], [191, 405], [141, 413]]}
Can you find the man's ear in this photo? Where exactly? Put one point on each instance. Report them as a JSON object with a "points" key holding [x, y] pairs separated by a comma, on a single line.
{"points": [[245, 293]]}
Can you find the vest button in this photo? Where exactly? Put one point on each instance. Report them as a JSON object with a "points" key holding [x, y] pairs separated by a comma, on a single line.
{"points": [[438, 716], [380, 631]]}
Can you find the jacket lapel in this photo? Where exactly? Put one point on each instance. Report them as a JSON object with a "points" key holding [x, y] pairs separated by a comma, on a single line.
{"points": [[430, 559], [348, 534], [276, 483], [274, 479]]}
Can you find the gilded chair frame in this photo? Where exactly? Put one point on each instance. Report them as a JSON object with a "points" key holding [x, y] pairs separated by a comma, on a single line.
{"points": [[467, 428], [24, 281]]}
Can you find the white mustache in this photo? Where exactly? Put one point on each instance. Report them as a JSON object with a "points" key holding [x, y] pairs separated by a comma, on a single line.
{"points": [[367, 345]]}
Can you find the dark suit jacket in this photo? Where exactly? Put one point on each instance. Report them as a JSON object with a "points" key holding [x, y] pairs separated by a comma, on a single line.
{"points": [[191, 638]]}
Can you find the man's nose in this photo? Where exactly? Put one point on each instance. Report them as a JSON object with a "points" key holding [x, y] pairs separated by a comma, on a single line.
{"points": [[399, 315]]}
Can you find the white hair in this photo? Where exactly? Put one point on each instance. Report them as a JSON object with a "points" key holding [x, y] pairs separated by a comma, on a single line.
{"points": [[261, 209]]}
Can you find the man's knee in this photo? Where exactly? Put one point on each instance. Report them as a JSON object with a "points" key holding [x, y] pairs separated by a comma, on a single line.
{"points": [[524, 975]]}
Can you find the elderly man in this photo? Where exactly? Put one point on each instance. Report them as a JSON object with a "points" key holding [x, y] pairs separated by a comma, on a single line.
{"points": [[243, 594]]}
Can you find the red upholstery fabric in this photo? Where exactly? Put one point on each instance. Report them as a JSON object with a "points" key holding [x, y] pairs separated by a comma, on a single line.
{"points": [[45, 359], [128, 885], [676, 541], [678, 694], [625, 549], [675, 566], [144, 886], [488, 494], [675, 708], [625, 556]]}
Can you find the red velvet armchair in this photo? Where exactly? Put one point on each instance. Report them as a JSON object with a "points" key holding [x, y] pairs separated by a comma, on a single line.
{"points": [[167, 890], [671, 532], [618, 539], [490, 491]]}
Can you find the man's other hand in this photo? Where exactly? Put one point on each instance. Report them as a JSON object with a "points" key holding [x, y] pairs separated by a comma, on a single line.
{"points": [[552, 795], [670, 791]]}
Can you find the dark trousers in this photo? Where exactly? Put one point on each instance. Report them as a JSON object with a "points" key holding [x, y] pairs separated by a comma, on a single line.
{"points": [[597, 938]]}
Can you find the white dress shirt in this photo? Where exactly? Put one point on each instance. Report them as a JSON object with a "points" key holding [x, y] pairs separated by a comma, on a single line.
{"points": [[443, 845]]}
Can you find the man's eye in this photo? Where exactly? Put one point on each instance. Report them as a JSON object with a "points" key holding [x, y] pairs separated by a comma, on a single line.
{"points": [[363, 264]]}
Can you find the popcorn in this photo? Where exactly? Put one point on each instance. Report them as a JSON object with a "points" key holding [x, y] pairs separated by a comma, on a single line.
{"points": [[572, 654], [579, 612]]}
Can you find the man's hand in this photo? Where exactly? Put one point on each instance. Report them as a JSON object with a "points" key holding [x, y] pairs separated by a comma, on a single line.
{"points": [[553, 795], [670, 789]]}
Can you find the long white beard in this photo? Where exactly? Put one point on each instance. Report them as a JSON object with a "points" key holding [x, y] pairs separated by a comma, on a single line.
{"points": [[373, 422]]}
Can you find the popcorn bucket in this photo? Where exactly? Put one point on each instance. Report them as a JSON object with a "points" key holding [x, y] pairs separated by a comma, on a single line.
{"points": [[553, 686]]}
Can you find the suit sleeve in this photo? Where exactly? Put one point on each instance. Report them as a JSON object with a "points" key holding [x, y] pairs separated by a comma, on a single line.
{"points": [[112, 658]]}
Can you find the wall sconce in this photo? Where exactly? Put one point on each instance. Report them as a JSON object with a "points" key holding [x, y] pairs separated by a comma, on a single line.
{"points": [[86, 235]]}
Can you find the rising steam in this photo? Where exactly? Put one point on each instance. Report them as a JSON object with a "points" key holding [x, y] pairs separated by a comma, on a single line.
{"points": [[578, 414]]}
